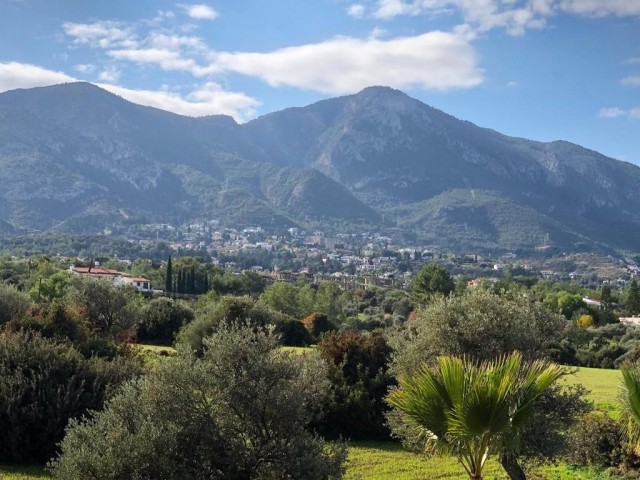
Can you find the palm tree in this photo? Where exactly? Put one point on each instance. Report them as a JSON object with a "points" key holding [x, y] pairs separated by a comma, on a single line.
{"points": [[474, 409], [631, 401]]}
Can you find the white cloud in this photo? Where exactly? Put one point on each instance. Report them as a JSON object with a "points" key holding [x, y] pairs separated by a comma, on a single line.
{"points": [[602, 8], [515, 16], [617, 112], [207, 99], [434, 60], [110, 74], [356, 10], [632, 61], [612, 112], [101, 34], [84, 68], [23, 75], [199, 11], [165, 59], [631, 81]]}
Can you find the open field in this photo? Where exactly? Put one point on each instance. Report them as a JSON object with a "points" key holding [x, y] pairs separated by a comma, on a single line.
{"points": [[603, 386]]}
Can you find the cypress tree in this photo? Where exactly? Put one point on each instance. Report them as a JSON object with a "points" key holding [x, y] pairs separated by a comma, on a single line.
{"points": [[168, 277], [633, 298]]}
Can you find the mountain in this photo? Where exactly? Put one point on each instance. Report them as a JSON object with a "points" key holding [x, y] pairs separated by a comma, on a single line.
{"points": [[76, 158]]}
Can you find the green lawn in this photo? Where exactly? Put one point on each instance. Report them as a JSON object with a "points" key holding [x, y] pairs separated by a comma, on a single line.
{"points": [[158, 349], [387, 460], [22, 473], [604, 387]]}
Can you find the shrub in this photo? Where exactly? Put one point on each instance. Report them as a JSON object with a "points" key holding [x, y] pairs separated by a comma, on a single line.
{"points": [[239, 412], [358, 371], [161, 319], [317, 324], [42, 385], [13, 303], [226, 312], [597, 440]]}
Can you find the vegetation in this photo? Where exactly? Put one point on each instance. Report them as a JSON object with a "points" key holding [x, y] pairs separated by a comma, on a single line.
{"points": [[473, 409], [218, 416]]}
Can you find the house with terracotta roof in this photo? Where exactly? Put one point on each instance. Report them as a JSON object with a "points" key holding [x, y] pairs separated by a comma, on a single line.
{"points": [[116, 277]]}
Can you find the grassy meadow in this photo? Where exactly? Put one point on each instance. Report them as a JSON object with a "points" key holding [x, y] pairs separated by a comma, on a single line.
{"points": [[388, 460]]}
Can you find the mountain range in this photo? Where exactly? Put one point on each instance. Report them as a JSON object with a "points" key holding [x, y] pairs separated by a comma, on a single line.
{"points": [[76, 158]]}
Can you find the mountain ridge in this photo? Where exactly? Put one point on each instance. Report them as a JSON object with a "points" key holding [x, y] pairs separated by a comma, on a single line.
{"points": [[352, 160]]}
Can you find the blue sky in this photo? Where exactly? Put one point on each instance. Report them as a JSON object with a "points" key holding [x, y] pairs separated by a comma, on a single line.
{"points": [[540, 69]]}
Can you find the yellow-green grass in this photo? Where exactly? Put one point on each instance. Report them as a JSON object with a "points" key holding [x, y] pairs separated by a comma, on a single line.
{"points": [[157, 349], [297, 350], [15, 472], [388, 460], [603, 386]]}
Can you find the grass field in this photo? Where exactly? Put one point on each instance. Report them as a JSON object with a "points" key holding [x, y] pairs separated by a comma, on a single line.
{"points": [[603, 386], [388, 460]]}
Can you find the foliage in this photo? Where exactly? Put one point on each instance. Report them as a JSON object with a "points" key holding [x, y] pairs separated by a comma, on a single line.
{"points": [[358, 371], [219, 416], [473, 409], [13, 303], [478, 323], [596, 439], [632, 305], [293, 300], [42, 385], [223, 313], [318, 323], [585, 321], [430, 280], [110, 309], [57, 320], [293, 333], [161, 319]]}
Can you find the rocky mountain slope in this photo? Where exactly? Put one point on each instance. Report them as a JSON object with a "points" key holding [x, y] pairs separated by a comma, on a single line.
{"points": [[74, 157]]}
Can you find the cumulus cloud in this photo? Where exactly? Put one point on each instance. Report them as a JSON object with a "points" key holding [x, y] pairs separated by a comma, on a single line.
{"points": [[207, 99], [199, 11], [602, 8], [22, 75], [84, 68], [434, 60], [617, 112]]}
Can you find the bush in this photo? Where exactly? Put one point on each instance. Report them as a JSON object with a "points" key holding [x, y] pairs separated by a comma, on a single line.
{"points": [[13, 303], [293, 334], [56, 320], [358, 371], [239, 412], [161, 319], [596, 440], [226, 312], [317, 324], [42, 385]]}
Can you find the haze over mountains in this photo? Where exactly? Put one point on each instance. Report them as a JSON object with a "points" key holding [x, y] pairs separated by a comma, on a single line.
{"points": [[76, 158]]}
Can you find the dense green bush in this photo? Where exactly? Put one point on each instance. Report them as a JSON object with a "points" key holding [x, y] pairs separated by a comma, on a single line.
{"points": [[42, 385], [318, 323], [239, 412], [226, 311], [13, 303], [360, 380], [597, 440], [161, 319]]}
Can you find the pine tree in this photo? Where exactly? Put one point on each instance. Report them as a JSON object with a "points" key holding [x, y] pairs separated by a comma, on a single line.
{"points": [[168, 277]]}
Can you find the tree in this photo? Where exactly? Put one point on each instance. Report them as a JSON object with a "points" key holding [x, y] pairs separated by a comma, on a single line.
{"points": [[168, 277], [478, 323], [430, 280], [474, 409], [239, 412], [161, 319], [633, 298], [360, 379], [13, 303]]}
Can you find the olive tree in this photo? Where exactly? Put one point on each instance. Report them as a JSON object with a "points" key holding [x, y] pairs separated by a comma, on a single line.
{"points": [[238, 412]]}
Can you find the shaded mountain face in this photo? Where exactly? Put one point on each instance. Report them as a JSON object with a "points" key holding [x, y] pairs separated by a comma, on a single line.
{"points": [[77, 158]]}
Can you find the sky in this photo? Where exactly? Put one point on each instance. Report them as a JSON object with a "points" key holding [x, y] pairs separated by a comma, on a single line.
{"points": [[540, 69]]}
